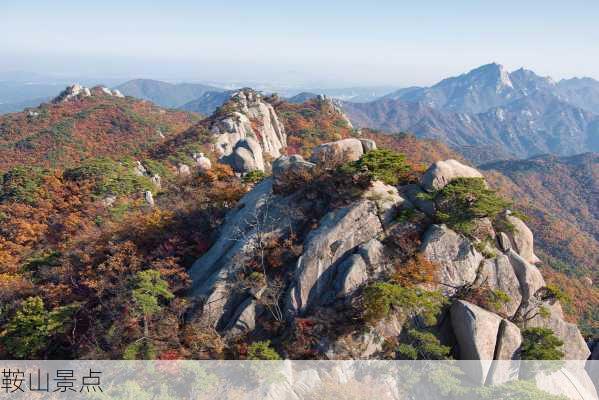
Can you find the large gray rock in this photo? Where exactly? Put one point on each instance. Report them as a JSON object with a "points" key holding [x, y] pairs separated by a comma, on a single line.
{"points": [[339, 232], [476, 332], [246, 156], [521, 238], [258, 214], [443, 172], [373, 253], [455, 255], [503, 241], [506, 366], [334, 106], [247, 116], [368, 145], [498, 274], [351, 274], [289, 167], [530, 279], [338, 152]]}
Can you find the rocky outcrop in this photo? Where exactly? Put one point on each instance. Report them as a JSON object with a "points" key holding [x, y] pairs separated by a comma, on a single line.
{"points": [[443, 172], [498, 274], [258, 213], [520, 237], [570, 381], [339, 232], [334, 107], [72, 92], [338, 152], [419, 198], [457, 258], [476, 333], [76, 91], [246, 117], [506, 365], [575, 347], [345, 247], [246, 156]]}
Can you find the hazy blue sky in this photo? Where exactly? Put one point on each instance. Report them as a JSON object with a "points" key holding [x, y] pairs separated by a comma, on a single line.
{"points": [[335, 42]]}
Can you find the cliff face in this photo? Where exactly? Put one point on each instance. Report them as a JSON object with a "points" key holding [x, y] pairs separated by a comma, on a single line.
{"points": [[247, 132]]}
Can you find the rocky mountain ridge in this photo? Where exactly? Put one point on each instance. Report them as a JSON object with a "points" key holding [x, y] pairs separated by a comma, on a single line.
{"points": [[356, 246], [85, 122], [490, 114]]}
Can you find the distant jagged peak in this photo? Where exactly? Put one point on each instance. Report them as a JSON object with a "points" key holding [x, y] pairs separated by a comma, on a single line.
{"points": [[77, 91], [334, 106], [489, 74]]}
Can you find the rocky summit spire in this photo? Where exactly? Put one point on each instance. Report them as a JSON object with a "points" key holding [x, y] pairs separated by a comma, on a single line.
{"points": [[246, 131]]}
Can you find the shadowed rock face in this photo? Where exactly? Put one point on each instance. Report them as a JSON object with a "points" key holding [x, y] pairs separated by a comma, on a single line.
{"points": [[339, 232]]}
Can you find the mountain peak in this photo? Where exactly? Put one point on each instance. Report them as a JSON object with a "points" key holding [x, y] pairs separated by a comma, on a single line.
{"points": [[492, 72], [77, 91]]}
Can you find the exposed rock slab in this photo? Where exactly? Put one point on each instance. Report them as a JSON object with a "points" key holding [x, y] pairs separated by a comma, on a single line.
{"points": [[498, 274], [506, 366], [457, 258], [521, 238], [340, 231], [476, 332], [338, 152], [443, 172]]}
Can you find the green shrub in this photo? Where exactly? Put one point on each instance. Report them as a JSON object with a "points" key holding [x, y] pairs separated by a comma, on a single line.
{"points": [[497, 298], [254, 176], [554, 293], [22, 184], [140, 350], [422, 345], [149, 289], [262, 351], [381, 297], [382, 164], [157, 168], [32, 326], [541, 344], [110, 177], [463, 200]]}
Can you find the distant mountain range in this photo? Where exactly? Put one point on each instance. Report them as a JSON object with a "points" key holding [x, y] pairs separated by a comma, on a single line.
{"points": [[490, 114], [208, 102], [492, 86], [165, 94]]}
